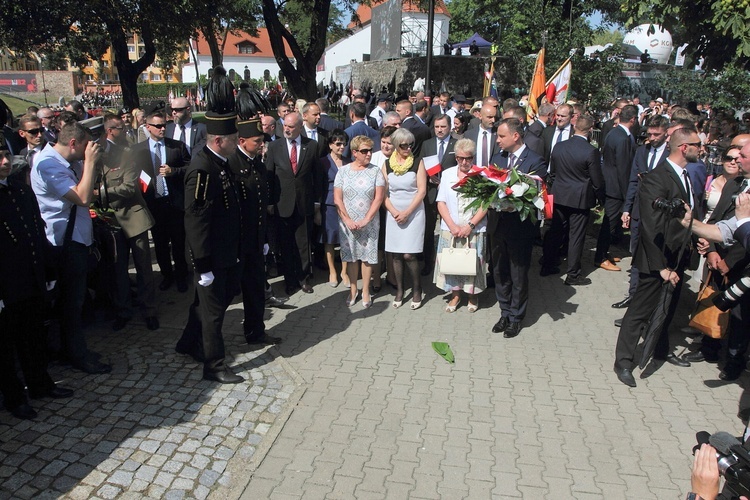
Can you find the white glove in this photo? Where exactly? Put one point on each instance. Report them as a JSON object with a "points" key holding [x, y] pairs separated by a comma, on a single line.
{"points": [[265, 249], [2, 305], [206, 279], [51, 285]]}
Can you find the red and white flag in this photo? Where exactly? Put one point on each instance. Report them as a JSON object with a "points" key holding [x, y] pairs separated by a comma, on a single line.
{"points": [[432, 165], [559, 84], [145, 180]]}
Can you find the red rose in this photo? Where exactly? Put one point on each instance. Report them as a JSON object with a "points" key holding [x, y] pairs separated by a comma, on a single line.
{"points": [[508, 191]]}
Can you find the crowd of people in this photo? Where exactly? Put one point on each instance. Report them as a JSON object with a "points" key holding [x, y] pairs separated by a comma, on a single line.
{"points": [[243, 199]]}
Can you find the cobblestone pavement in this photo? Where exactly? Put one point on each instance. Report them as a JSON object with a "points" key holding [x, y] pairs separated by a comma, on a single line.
{"points": [[356, 404]]}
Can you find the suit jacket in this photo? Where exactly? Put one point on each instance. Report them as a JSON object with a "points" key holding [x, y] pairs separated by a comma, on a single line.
{"points": [[575, 173], [662, 237], [533, 137], [176, 156], [639, 167], [430, 148], [120, 190], [329, 124], [212, 213], [369, 120], [298, 191], [473, 134], [607, 127], [698, 175], [360, 128], [510, 222], [617, 154], [548, 134], [742, 234], [198, 135], [322, 141], [420, 130], [735, 256], [13, 140]]}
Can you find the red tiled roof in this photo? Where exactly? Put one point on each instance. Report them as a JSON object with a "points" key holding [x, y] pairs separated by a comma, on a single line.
{"points": [[262, 43], [365, 12]]}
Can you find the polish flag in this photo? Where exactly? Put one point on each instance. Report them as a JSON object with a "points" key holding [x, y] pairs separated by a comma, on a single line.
{"points": [[432, 165], [145, 181], [559, 84]]}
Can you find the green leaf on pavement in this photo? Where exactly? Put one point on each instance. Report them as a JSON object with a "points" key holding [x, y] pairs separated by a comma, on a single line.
{"points": [[444, 350]]}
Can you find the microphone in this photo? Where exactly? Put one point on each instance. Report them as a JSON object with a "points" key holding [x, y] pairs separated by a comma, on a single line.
{"points": [[723, 442]]}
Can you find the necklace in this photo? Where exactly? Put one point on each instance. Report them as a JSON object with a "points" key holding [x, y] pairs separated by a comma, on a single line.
{"points": [[397, 166]]}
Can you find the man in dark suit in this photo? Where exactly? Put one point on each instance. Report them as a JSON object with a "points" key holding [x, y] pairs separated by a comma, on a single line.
{"points": [[562, 131], [282, 110], [646, 158], [326, 122], [618, 151], [662, 253], [359, 97], [482, 135], [614, 119], [184, 128], [120, 190], [415, 123], [46, 115], [441, 146], [575, 175], [11, 140], [439, 108], [30, 130], [295, 167], [311, 128], [533, 136], [511, 239], [164, 161], [357, 113]]}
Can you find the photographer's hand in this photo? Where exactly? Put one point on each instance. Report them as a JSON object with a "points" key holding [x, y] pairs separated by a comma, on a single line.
{"points": [[669, 275], [688, 217], [704, 479], [742, 206]]}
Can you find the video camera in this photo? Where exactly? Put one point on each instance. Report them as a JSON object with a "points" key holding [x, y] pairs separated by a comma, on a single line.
{"points": [[734, 463], [675, 207]]}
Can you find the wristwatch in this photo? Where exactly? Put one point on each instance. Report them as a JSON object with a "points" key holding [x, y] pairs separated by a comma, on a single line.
{"points": [[693, 496], [472, 225]]}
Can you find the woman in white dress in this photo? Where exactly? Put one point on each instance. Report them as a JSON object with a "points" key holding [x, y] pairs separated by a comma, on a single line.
{"points": [[378, 159], [406, 186]]}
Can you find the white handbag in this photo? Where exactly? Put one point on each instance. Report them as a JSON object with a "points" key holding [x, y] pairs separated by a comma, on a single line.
{"points": [[458, 261]]}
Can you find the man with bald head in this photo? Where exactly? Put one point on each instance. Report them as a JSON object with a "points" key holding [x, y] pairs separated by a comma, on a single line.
{"points": [[562, 131], [483, 135], [183, 128], [741, 140], [269, 127]]}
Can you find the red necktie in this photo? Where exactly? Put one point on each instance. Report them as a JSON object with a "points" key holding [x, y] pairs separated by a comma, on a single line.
{"points": [[293, 157]]}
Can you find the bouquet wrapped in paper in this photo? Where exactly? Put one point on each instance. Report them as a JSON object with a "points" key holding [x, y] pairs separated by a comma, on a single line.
{"points": [[506, 190]]}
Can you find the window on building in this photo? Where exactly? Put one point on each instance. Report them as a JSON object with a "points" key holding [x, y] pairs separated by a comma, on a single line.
{"points": [[246, 48], [170, 78], [131, 49], [156, 77]]}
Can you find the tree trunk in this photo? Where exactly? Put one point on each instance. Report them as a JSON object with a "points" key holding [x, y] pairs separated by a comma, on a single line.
{"points": [[209, 33], [130, 71]]}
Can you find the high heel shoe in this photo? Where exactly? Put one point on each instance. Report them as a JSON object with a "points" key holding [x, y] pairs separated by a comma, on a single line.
{"points": [[350, 302], [366, 304], [451, 307], [415, 305], [472, 307], [397, 303]]}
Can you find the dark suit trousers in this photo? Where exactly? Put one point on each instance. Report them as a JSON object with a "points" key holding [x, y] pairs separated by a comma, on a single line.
{"points": [[202, 336], [22, 332], [254, 294], [294, 242], [636, 319], [430, 247], [72, 293], [573, 222], [511, 257], [169, 238], [611, 228], [144, 273], [635, 232]]}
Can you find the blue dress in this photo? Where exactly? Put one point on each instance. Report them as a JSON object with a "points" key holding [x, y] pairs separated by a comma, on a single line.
{"points": [[329, 215]]}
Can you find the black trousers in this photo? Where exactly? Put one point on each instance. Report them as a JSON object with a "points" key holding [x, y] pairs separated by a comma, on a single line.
{"points": [[295, 233], [22, 333], [611, 228], [645, 301], [202, 336], [430, 247], [169, 238], [511, 257], [254, 294], [635, 233], [71, 286], [573, 222]]}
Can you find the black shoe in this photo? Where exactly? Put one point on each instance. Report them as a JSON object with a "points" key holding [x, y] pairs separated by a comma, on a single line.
{"points": [[182, 285], [733, 369], [263, 340], [549, 271], [306, 288], [54, 392], [166, 283], [223, 376], [694, 357], [626, 377], [514, 328], [152, 323], [578, 281], [623, 303], [23, 411], [93, 367], [119, 324], [618, 322], [501, 325], [674, 360]]}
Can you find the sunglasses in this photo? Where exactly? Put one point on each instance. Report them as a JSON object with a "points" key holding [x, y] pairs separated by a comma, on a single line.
{"points": [[157, 125], [406, 146], [365, 151], [178, 110], [730, 159], [116, 128], [33, 131], [464, 158]]}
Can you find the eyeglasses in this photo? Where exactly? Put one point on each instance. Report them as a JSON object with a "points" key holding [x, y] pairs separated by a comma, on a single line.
{"points": [[116, 128], [365, 151], [178, 110], [731, 159], [464, 158], [406, 146], [33, 131], [157, 125]]}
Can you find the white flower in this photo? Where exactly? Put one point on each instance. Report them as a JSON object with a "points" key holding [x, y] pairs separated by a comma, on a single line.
{"points": [[501, 194], [538, 202], [519, 189]]}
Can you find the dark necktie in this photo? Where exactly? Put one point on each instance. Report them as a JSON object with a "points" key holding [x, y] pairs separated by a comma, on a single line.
{"points": [[559, 135], [182, 134], [485, 159], [441, 151], [687, 187], [293, 157], [653, 159], [30, 157]]}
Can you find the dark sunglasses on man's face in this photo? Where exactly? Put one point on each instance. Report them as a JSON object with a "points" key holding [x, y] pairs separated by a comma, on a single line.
{"points": [[178, 110], [33, 131], [157, 125]]}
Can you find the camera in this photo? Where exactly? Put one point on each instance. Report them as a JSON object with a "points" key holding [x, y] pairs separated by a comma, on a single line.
{"points": [[674, 208], [727, 300], [734, 463]]}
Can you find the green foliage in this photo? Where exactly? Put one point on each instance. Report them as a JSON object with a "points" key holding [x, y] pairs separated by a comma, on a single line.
{"points": [[729, 88], [593, 80], [603, 37]]}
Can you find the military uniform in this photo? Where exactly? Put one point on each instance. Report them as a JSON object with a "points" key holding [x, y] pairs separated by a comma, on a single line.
{"points": [[212, 228]]}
